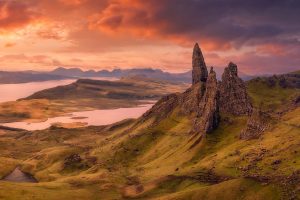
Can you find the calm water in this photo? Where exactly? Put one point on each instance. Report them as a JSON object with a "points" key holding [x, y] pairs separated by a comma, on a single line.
{"points": [[13, 92], [95, 117], [18, 176]]}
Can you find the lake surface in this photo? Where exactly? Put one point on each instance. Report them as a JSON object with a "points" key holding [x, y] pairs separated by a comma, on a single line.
{"points": [[13, 92], [18, 176], [95, 117]]}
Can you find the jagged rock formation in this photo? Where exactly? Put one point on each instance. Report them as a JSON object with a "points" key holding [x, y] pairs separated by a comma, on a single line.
{"points": [[203, 101], [256, 125], [233, 95], [199, 72], [208, 112], [190, 99]]}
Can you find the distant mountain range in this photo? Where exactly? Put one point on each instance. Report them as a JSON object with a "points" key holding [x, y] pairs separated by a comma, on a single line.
{"points": [[147, 72], [28, 76], [69, 73]]}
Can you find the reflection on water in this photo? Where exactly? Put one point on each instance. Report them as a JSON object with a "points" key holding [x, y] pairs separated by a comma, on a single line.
{"points": [[95, 117], [18, 176], [12, 92]]}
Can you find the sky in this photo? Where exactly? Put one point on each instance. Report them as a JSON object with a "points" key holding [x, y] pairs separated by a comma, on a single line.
{"points": [[260, 36]]}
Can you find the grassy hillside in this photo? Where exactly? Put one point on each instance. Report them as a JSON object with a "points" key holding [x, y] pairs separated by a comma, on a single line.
{"points": [[139, 159], [273, 92]]}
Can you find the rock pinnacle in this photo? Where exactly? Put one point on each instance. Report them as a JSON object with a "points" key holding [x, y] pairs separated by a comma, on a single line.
{"points": [[199, 72]]}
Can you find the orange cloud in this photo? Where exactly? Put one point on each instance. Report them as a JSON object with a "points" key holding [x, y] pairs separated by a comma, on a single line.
{"points": [[130, 33], [9, 44], [72, 2], [15, 14]]}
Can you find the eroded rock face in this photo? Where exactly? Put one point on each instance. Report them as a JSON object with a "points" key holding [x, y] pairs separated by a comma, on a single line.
{"points": [[190, 99], [233, 95], [199, 72], [187, 104], [256, 125], [72, 159], [162, 109], [208, 112]]}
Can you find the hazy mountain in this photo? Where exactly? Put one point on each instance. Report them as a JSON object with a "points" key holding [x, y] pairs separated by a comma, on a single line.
{"points": [[25, 77], [147, 72], [67, 73]]}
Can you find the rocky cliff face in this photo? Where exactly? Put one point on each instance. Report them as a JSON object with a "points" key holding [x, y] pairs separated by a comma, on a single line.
{"points": [[208, 112], [199, 72], [233, 95]]}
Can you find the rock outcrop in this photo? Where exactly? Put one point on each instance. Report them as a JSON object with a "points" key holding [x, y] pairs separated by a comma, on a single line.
{"points": [[72, 159], [233, 95], [256, 125], [162, 109], [208, 112], [75, 162], [199, 72], [187, 104]]}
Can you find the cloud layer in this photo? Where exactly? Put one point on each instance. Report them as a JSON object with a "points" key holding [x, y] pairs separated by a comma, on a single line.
{"points": [[262, 36]]}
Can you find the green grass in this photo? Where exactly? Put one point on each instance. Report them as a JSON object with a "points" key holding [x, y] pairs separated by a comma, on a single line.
{"points": [[267, 97], [53, 191]]}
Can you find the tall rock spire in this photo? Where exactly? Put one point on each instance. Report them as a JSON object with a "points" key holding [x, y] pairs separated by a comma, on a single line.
{"points": [[208, 112], [199, 72]]}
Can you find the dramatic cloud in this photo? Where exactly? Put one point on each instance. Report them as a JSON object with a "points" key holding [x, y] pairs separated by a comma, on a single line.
{"points": [[260, 35], [15, 14], [225, 23]]}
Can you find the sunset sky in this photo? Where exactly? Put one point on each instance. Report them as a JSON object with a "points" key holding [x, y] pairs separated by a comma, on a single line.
{"points": [[261, 36]]}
